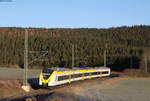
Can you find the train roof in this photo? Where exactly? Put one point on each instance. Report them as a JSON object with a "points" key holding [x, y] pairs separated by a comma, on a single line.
{"points": [[67, 69]]}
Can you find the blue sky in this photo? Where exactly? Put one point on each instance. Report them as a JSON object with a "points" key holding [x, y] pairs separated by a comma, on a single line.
{"points": [[74, 13]]}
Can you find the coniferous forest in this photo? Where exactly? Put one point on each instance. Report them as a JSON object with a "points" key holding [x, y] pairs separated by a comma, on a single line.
{"points": [[124, 46]]}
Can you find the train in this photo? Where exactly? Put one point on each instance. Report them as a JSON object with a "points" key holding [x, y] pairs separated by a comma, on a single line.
{"points": [[57, 76]]}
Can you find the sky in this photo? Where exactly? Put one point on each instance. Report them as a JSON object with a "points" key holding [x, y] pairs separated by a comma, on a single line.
{"points": [[74, 13]]}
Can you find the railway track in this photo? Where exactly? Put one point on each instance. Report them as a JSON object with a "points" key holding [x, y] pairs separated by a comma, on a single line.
{"points": [[49, 90]]}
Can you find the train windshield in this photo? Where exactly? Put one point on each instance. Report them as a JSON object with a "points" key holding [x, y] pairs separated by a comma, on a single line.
{"points": [[47, 70]]}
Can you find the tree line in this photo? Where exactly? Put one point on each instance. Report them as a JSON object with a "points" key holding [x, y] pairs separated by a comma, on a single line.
{"points": [[121, 44]]}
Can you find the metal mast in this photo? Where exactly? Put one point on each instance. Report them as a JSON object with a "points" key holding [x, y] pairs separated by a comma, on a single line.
{"points": [[25, 86], [105, 55], [26, 58], [145, 62], [72, 56]]}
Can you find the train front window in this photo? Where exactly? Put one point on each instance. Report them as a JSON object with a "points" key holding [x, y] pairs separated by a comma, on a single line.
{"points": [[47, 71]]}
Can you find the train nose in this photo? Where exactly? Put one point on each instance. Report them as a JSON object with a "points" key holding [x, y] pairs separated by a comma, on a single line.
{"points": [[45, 84]]}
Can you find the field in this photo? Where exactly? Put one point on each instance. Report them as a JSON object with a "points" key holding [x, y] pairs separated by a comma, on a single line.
{"points": [[114, 89], [13, 73], [11, 80]]}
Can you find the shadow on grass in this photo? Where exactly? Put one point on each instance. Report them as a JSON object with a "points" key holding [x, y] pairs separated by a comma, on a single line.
{"points": [[56, 97], [38, 97], [34, 83], [114, 75]]}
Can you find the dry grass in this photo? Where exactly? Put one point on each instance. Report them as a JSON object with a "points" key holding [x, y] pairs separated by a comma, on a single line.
{"points": [[135, 73], [10, 87]]}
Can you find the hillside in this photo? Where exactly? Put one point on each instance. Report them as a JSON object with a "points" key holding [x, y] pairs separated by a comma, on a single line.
{"points": [[123, 45]]}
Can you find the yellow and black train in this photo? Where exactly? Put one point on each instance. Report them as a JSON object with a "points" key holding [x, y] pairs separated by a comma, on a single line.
{"points": [[58, 76]]}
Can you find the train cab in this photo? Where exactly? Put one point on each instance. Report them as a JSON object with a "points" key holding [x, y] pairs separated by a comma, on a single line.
{"points": [[45, 76]]}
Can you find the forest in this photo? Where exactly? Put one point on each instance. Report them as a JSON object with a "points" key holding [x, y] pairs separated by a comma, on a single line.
{"points": [[124, 46]]}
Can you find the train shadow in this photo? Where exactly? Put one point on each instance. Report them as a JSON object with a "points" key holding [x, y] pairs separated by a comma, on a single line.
{"points": [[34, 83], [56, 97], [37, 97], [112, 75]]}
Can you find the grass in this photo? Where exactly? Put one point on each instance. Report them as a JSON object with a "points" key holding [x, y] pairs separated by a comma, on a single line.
{"points": [[135, 73], [9, 88]]}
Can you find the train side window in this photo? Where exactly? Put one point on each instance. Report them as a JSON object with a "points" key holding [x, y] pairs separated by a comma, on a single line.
{"points": [[76, 75], [105, 72], [86, 74], [95, 73], [65, 77]]}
